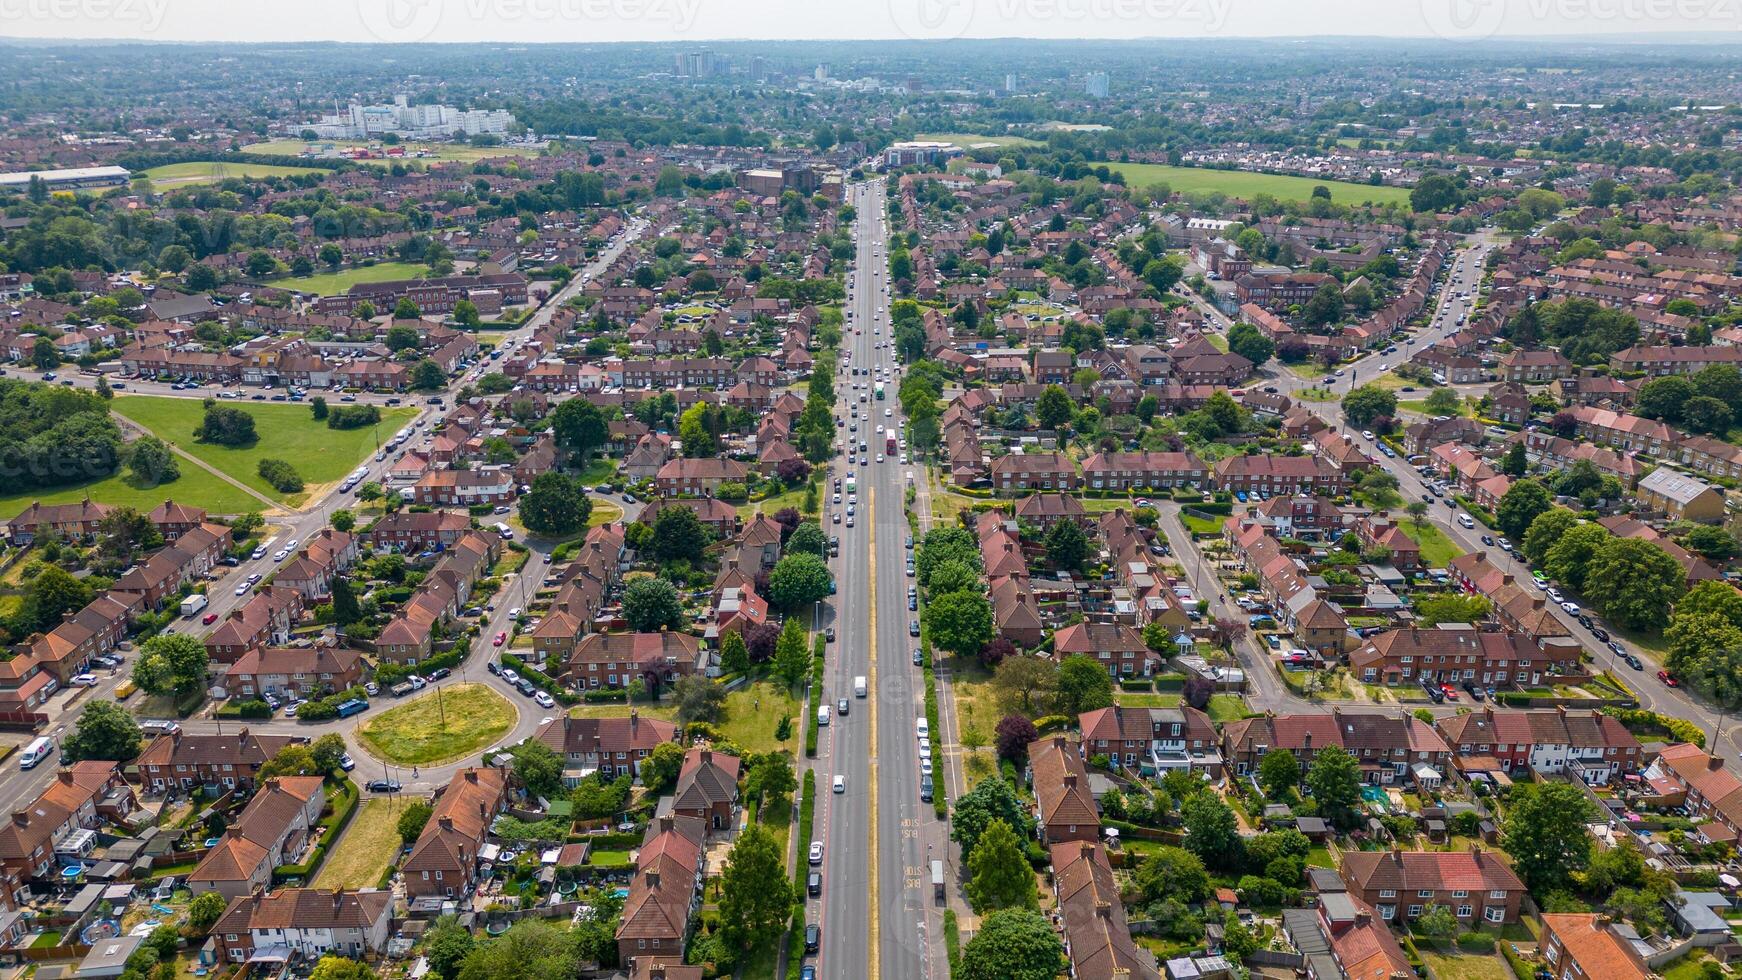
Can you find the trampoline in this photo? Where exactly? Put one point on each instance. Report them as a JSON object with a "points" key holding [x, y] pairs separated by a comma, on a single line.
{"points": [[99, 930]]}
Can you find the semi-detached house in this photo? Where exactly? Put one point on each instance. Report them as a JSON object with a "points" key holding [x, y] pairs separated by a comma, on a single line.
{"points": [[444, 860], [270, 927]]}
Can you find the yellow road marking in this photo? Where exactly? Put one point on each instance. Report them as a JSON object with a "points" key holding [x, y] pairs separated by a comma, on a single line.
{"points": [[871, 679]]}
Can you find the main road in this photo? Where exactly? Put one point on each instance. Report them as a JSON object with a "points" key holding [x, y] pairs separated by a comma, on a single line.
{"points": [[876, 911]]}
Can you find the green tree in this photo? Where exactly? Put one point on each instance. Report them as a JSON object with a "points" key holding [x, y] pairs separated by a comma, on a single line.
{"points": [[1212, 833], [152, 462], [171, 664], [650, 604], [105, 731], [1245, 340], [555, 506], [1569, 559], [406, 309], [327, 751], [595, 797], [953, 576], [446, 946], [1335, 781], [579, 427], [692, 428], [1543, 828], [1173, 872], [679, 535], [1437, 922], [291, 760], [531, 949], [402, 336], [1237, 940], [1067, 547], [1635, 583], [659, 771], [1445, 401], [1279, 773], [792, 656], [1364, 404], [1523, 503], [1663, 398], [734, 655], [49, 596], [1451, 607], [1544, 531], [945, 543], [1083, 685], [1013, 944], [330, 967], [755, 892], [412, 820], [346, 609], [1054, 409], [992, 799], [999, 875], [427, 375], [43, 355], [204, 911], [960, 623], [538, 768], [1514, 464], [698, 698], [808, 538], [797, 581], [226, 426]]}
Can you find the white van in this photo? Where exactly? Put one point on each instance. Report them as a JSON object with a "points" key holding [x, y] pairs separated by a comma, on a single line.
{"points": [[1467, 521], [34, 753], [822, 714], [505, 531], [859, 686]]}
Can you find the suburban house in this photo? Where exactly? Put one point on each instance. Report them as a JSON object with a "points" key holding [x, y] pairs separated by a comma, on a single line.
{"points": [[1152, 740], [305, 922], [179, 760], [707, 788], [1064, 803], [1586, 946], [1097, 935], [1593, 745], [610, 746], [444, 861], [271, 830], [1477, 887]]}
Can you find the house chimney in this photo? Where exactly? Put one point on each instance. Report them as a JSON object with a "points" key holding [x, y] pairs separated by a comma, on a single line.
{"points": [[1070, 780], [666, 824], [653, 880], [471, 775], [706, 757], [65, 776], [1306, 741], [445, 823], [1103, 909], [21, 817], [1397, 856]]}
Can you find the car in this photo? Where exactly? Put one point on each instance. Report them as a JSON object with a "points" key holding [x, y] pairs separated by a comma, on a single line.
{"points": [[1668, 681], [492, 666], [1488, 540], [1367, 434], [912, 603], [1450, 693], [925, 764], [243, 588], [1586, 622], [1571, 607], [84, 680], [913, 627], [813, 937], [372, 688], [1600, 633], [544, 700], [439, 673], [837, 517], [829, 634], [384, 786], [840, 784], [209, 618], [501, 638], [346, 762], [918, 658], [1473, 691], [1434, 694], [292, 708], [816, 852]]}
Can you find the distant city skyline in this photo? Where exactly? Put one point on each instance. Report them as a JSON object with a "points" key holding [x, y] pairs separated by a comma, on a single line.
{"points": [[700, 21]]}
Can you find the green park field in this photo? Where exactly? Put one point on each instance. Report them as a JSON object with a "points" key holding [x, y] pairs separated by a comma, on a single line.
{"points": [[333, 283], [285, 431], [173, 175], [1245, 184]]}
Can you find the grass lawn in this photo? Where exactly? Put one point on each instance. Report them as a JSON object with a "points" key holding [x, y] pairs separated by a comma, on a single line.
{"points": [[332, 283], [1139, 699], [430, 729], [1316, 395], [1201, 525], [173, 175], [286, 431], [965, 140], [1436, 548], [608, 859], [752, 712], [1467, 966], [368, 847], [196, 487], [778, 502], [1227, 707], [604, 513], [1319, 856], [1245, 184], [1419, 407]]}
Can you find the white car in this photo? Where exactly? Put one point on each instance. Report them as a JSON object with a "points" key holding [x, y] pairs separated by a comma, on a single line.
{"points": [[925, 764], [840, 784], [816, 855], [84, 680], [544, 700], [1571, 607], [242, 589]]}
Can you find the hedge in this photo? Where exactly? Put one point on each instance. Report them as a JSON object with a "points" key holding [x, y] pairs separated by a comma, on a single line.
{"points": [[1047, 724], [605, 695], [939, 799], [540, 680], [245, 709], [1520, 969], [1637, 719], [952, 941], [1144, 685], [1170, 682], [807, 810]]}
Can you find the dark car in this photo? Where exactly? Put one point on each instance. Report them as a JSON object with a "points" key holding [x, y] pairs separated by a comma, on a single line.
{"points": [[814, 884], [913, 627], [439, 673], [912, 603], [925, 788], [1433, 692], [1473, 691], [493, 667], [807, 973], [813, 937], [829, 634], [384, 786], [1601, 634]]}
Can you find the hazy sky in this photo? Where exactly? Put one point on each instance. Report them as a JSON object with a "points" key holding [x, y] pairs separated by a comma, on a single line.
{"points": [[702, 20]]}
